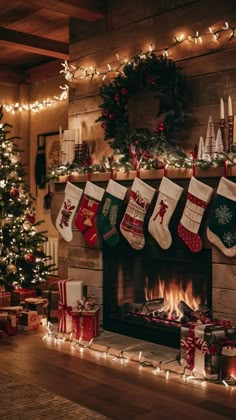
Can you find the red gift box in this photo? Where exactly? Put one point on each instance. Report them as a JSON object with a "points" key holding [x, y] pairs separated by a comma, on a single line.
{"points": [[8, 323], [5, 298], [19, 295], [85, 324]]}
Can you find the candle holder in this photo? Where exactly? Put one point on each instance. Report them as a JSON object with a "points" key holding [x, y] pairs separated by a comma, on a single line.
{"points": [[222, 129], [230, 132], [82, 155]]}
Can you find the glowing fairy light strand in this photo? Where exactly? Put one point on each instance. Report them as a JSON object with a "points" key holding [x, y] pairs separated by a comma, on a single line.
{"points": [[37, 105], [75, 72]]}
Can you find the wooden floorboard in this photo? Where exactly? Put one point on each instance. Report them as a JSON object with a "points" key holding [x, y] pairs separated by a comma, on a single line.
{"points": [[110, 387]]}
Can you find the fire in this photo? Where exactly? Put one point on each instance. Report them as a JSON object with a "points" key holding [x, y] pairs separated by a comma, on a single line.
{"points": [[173, 293]]}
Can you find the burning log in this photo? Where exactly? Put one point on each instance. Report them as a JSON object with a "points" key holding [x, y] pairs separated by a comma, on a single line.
{"points": [[152, 305]]}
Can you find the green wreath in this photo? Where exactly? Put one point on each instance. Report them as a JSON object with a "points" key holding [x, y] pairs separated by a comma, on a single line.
{"points": [[167, 83]]}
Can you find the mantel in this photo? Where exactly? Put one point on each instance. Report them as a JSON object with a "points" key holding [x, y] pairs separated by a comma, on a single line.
{"points": [[152, 174]]}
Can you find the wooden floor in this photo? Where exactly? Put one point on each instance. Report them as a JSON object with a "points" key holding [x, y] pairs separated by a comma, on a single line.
{"points": [[110, 387]]}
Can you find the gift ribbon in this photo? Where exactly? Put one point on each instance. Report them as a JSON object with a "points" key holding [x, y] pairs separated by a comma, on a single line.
{"points": [[63, 308], [191, 345]]}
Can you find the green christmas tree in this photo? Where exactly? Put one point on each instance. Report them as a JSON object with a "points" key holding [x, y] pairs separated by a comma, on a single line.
{"points": [[22, 257]]}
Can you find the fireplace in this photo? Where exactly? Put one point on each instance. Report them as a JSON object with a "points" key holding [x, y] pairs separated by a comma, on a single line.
{"points": [[150, 294]]}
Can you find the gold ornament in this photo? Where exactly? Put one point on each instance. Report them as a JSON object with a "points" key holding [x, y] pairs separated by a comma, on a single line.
{"points": [[11, 268], [27, 226]]}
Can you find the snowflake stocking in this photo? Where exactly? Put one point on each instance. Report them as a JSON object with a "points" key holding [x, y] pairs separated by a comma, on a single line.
{"points": [[198, 197], [131, 225], [221, 229], [114, 195], [85, 219], [168, 197], [67, 211]]}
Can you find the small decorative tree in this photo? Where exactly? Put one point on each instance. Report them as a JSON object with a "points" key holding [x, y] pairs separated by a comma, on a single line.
{"points": [[22, 257]]}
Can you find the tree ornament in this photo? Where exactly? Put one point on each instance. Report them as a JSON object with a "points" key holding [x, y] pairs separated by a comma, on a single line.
{"points": [[11, 268], [30, 258], [30, 217], [14, 193], [39, 248], [27, 226]]}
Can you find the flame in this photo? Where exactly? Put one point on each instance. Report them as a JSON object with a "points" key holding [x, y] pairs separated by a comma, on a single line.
{"points": [[173, 292]]}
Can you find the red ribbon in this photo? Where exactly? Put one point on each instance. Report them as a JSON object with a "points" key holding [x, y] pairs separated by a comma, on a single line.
{"points": [[191, 344], [63, 308]]}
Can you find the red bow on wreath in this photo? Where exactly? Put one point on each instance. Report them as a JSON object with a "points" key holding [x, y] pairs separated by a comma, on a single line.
{"points": [[138, 155]]}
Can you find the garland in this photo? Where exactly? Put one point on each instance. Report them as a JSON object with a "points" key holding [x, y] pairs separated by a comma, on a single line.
{"points": [[143, 148]]}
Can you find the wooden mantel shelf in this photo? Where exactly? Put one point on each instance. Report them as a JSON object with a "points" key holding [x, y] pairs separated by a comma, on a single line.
{"points": [[151, 174]]}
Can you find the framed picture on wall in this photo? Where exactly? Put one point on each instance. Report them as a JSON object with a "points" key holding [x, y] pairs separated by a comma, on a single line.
{"points": [[47, 157]]}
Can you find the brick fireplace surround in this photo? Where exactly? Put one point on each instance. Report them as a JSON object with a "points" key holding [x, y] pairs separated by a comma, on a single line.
{"points": [[81, 262]]}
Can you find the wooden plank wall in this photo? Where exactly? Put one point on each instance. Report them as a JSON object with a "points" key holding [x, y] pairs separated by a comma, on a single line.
{"points": [[210, 68]]}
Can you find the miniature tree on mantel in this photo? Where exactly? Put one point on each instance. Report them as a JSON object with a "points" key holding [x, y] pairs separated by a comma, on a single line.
{"points": [[22, 257]]}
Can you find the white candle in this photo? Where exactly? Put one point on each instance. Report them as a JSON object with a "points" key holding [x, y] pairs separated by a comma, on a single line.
{"points": [[234, 130], [222, 110], [230, 110], [60, 136]]}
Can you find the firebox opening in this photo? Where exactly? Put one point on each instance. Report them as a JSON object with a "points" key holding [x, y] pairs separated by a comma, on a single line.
{"points": [[149, 294]]}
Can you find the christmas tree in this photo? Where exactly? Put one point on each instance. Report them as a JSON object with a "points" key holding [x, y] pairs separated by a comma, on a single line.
{"points": [[22, 257]]}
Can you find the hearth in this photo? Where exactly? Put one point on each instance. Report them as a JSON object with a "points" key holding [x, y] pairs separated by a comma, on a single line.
{"points": [[150, 294]]}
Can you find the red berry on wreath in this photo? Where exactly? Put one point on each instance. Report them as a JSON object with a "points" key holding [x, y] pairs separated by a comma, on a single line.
{"points": [[124, 91], [14, 193], [104, 126], [117, 97], [105, 112], [112, 116]]}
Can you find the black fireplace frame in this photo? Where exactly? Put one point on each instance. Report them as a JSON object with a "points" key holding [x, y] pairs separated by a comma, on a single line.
{"points": [[160, 333]]}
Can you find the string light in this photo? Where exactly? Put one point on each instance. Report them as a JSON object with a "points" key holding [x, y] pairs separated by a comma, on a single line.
{"points": [[38, 106], [73, 72]]}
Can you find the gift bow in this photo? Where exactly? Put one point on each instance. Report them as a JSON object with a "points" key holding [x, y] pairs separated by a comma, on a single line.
{"points": [[63, 311], [191, 344]]}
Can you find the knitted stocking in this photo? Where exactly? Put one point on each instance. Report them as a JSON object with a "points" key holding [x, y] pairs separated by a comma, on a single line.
{"points": [[168, 197], [131, 225], [67, 211], [85, 219], [198, 197], [114, 197], [221, 229]]}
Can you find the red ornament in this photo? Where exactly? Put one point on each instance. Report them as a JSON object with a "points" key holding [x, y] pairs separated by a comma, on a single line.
{"points": [[161, 126], [124, 91], [112, 116], [30, 258], [30, 218], [105, 112], [117, 97], [14, 193]]}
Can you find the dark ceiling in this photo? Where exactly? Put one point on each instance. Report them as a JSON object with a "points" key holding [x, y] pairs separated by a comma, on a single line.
{"points": [[36, 32]]}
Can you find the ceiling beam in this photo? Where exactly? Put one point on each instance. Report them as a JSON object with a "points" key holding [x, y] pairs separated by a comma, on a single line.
{"points": [[34, 44], [88, 10]]}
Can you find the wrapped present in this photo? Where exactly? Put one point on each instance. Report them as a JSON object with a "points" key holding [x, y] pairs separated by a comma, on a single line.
{"points": [[70, 292], [12, 309], [8, 323], [5, 298], [37, 304], [85, 324], [29, 320], [201, 348], [19, 295], [53, 297]]}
